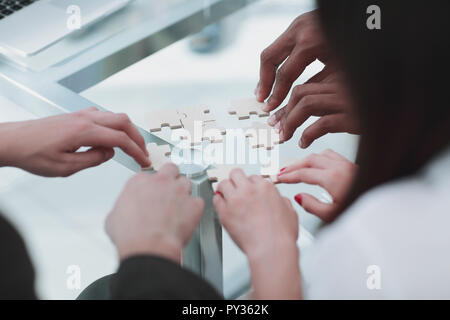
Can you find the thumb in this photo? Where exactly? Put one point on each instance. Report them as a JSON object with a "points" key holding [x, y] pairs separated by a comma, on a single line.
{"points": [[324, 211], [91, 158]]}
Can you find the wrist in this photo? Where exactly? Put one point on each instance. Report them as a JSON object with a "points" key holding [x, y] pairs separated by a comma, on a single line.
{"points": [[156, 245], [11, 145], [275, 272], [274, 247]]}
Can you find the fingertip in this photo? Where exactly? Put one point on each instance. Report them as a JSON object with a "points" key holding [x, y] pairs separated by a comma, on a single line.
{"points": [[302, 143], [200, 203], [108, 154], [299, 199]]}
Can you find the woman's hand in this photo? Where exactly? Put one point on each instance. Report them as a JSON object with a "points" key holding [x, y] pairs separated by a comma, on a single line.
{"points": [[329, 170], [48, 146], [265, 226], [323, 96], [154, 215]]}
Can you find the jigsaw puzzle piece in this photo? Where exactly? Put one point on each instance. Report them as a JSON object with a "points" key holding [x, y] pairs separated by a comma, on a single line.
{"points": [[262, 135], [159, 155], [164, 118], [219, 173], [200, 125], [244, 108], [268, 172]]}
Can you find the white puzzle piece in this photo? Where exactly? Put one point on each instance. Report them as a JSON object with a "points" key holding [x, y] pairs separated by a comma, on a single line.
{"points": [[244, 108], [159, 155], [164, 118], [261, 135]]}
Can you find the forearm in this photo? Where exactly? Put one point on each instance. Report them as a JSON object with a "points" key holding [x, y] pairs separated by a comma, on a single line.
{"points": [[152, 277], [275, 274], [7, 148]]}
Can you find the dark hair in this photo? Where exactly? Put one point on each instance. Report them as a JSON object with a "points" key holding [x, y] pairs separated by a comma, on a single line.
{"points": [[396, 76]]}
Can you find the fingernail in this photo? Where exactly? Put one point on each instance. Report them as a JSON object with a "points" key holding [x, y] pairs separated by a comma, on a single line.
{"points": [[281, 172], [272, 120], [298, 199], [218, 193], [302, 143], [281, 135], [277, 125]]}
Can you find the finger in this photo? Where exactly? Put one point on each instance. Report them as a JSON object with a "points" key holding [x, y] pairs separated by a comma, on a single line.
{"points": [[256, 179], [220, 205], [226, 188], [186, 183], [310, 105], [332, 155], [105, 137], [303, 90], [321, 75], [317, 161], [88, 110], [288, 202], [87, 159], [198, 205], [238, 177], [274, 119], [306, 175], [120, 122], [324, 211], [169, 169], [271, 58], [291, 69], [327, 124]]}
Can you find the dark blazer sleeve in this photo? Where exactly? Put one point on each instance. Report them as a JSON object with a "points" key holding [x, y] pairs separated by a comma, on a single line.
{"points": [[151, 277], [16, 269]]}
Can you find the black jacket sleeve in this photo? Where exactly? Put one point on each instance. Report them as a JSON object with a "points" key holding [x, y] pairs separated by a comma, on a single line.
{"points": [[151, 277], [16, 269]]}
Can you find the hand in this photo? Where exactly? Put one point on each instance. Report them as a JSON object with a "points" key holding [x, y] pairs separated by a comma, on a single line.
{"points": [[48, 146], [254, 213], [154, 215], [301, 44], [329, 170], [325, 96], [265, 226]]}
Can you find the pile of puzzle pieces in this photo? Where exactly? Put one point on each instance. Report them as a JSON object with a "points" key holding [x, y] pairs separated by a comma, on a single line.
{"points": [[260, 135], [187, 118], [199, 119]]}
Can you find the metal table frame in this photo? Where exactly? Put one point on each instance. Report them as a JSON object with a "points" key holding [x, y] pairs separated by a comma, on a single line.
{"points": [[56, 90]]}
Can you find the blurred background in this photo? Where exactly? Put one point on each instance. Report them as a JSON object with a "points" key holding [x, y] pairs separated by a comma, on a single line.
{"points": [[62, 219]]}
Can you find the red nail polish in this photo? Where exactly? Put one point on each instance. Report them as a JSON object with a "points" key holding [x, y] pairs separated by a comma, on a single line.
{"points": [[298, 199], [282, 169], [218, 193]]}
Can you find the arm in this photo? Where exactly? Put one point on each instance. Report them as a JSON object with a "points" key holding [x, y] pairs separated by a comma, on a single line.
{"points": [[328, 170], [154, 277], [49, 146], [324, 95], [265, 226], [16, 270], [152, 221]]}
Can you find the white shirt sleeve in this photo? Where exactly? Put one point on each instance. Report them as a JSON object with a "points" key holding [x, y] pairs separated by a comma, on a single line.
{"points": [[345, 261], [336, 267]]}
